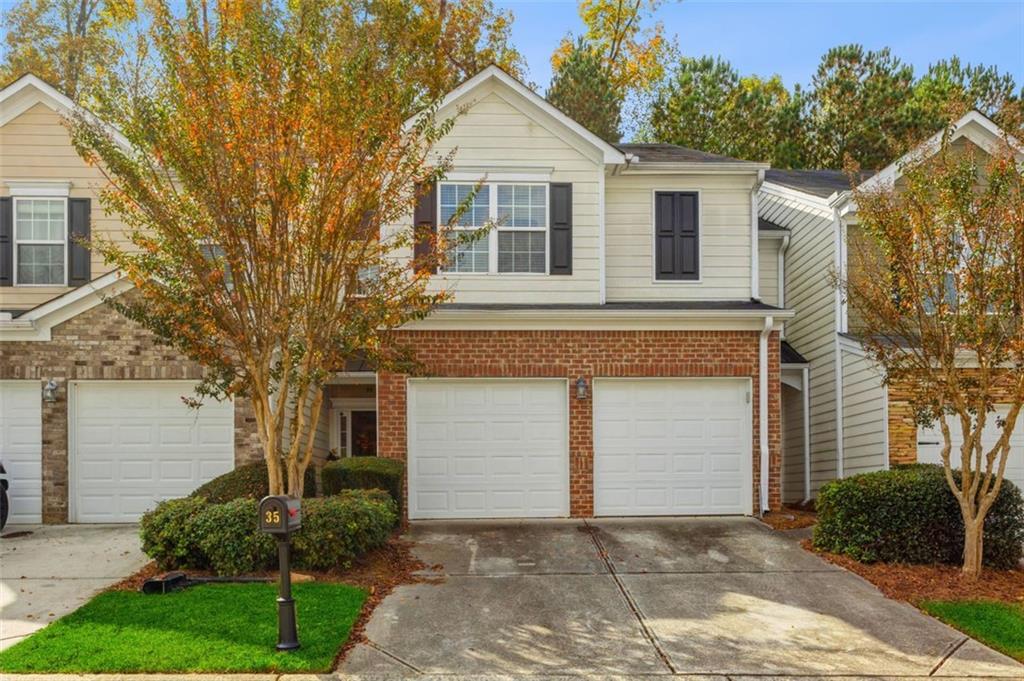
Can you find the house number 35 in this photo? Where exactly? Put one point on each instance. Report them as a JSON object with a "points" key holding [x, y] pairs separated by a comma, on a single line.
{"points": [[272, 517]]}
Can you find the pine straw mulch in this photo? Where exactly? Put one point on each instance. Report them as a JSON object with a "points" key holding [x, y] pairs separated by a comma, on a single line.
{"points": [[916, 583], [791, 517]]}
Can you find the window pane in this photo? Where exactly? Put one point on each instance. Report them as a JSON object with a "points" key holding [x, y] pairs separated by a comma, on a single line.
{"points": [[521, 251], [454, 195], [522, 206], [40, 219], [41, 264], [469, 257]]}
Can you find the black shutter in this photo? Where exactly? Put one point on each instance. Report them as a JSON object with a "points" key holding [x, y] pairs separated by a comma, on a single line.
{"points": [[6, 241], [425, 222], [79, 265], [676, 236], [561, 227]]}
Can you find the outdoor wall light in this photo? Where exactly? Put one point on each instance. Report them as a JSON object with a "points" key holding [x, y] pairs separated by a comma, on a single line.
{"points": [[50, 391], [581, 388]]}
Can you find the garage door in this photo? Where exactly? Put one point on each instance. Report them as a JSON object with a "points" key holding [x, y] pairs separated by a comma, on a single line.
{"points": [[21, 450], [135, 443], [483, 448], [929, 445], [672, 447]]}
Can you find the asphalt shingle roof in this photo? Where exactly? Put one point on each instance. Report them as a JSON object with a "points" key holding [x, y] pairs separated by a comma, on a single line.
{"points": [[823, 183], [667, 153]]}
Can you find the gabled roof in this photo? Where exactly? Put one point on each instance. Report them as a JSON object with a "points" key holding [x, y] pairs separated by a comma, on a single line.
{"points": [[821, 183], [37, 323], [654, 153], [494, 74]]}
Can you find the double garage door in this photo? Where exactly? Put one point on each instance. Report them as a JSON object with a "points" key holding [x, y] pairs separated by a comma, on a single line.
{"points": [[131, 444], [929, 444], [494, 448]]}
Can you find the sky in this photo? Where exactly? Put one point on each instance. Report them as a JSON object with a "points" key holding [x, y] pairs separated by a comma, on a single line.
{"points": [[789, 38]]}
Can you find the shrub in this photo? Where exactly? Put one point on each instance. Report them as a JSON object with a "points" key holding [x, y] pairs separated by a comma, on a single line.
{"points": [[337, 529], [192, 533], [248, 481], [364, 472], [909, 515], [170, 535], [230, 542]]}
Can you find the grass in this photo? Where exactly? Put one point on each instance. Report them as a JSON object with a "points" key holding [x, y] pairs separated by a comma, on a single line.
{"points": [[998, 625], [208, 628]]}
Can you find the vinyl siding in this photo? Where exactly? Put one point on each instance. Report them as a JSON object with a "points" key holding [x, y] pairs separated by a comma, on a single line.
{"points": [[321, 440], [768, 270], [724, 237], [864, 422], [792, 445], [809, 262], [494, 132], [36, 146]]}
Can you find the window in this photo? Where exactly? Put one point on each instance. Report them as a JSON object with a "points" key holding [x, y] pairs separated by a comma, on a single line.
{"points": [[468, 256], [41, 240], [518, 244], [676, 236]]}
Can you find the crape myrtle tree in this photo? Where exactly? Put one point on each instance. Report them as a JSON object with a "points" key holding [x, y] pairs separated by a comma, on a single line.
{"points": [[937, 287], [254, 173]]}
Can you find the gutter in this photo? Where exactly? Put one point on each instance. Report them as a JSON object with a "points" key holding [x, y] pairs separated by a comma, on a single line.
{"points": [[762, 406]]}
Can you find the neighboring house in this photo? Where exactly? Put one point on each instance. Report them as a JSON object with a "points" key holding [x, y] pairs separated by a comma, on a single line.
{"points": [[857, 423], [612, 348]]}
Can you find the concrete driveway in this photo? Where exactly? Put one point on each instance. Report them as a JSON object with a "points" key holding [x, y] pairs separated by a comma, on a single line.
{"points": [[643, 597], [55, 569]]}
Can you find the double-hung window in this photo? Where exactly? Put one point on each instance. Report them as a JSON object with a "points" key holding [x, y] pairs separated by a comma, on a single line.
{"points": [[40, 241], [517, 243]]}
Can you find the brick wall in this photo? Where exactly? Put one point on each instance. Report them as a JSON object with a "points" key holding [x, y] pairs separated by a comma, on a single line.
{"points": [[569, 354], [100, 344]]}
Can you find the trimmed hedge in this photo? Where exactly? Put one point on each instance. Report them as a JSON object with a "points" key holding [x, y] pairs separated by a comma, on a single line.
{"points": [[193, 533], [909, 515], [248, 481], [364, 472]]}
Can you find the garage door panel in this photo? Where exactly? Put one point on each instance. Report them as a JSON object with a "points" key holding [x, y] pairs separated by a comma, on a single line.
{"points": [[485, 448], [136, 443], [21, 448], [929, 447], [671, 446]]}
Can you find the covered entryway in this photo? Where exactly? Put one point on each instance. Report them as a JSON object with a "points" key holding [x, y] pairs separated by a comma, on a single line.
{"points": [[21, 448], [488, 448], [930, 440], [674, 446], [135, 443]]}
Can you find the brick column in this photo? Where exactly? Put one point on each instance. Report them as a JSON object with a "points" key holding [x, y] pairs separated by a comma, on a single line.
{"points": [[581, 451], [55, 454]]}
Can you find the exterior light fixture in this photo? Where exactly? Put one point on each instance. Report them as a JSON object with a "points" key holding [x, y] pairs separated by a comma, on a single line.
{"points": [[581, 388], [50, 391]]}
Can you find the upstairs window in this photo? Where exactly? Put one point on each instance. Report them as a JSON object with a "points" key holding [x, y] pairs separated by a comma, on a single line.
{"points": [[471, 256], [40, 241], [676, 236]]}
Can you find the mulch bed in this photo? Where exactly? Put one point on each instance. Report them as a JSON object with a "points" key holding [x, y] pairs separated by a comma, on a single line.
{"points": [[916, 583], [790, 517]]}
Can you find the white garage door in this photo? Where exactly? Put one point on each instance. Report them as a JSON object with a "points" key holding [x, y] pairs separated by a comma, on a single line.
{"points": [[135, 443], [672, 447], [488, 448], [929, 444], [21, 450]]}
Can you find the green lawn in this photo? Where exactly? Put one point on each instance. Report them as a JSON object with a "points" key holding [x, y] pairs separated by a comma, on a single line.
{"points": [[998, 625], [209, 628]]}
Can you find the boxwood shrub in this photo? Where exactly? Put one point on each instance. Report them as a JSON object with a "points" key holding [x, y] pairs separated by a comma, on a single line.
{"points": [[909, 515], [248, 481], [364, 472], [223, 538]]}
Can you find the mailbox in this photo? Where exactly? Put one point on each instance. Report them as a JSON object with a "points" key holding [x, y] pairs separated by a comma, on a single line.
{"points": [[280, 515]]}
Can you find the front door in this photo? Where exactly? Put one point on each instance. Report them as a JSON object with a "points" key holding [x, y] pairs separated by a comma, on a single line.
{"points": [[364, 433]]}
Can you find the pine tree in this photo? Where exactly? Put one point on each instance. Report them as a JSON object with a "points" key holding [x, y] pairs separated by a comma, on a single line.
{"points": [[582, 89]]}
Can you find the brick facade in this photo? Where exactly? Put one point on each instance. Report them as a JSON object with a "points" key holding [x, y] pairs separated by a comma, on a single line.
{"points": [[570, 354], [100, 344]]}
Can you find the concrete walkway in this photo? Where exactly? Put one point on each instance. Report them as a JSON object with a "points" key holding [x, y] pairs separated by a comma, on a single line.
{"points": [[641, 598], [55, 569]]}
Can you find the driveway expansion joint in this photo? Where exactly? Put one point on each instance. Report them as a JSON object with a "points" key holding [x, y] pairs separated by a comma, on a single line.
{"points": [[648, 634], [950, 653], [394, 657]]}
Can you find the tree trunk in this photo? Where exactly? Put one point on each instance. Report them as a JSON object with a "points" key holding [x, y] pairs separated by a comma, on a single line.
{"points": [[973, 548]]}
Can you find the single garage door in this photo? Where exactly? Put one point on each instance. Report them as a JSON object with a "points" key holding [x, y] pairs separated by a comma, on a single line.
{"points": [[488, 448], [135, 443], [21, 450], [929, 444], [672, 447]]}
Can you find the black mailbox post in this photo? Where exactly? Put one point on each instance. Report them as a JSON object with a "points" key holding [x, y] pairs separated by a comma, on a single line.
{"points": [[280, 516]]}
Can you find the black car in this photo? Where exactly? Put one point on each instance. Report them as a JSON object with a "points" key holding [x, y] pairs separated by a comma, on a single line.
{"points": [[5, 504]]}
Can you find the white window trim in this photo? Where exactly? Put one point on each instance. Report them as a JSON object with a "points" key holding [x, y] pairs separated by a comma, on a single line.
{"points": [[344, 406], [654, 238], [36, 242], [38, 189], [492, 235]]}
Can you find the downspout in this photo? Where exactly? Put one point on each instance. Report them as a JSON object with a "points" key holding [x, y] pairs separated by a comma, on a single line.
{"points": [[807, 433], [840, 268], [782, 279], [762, 406], [602, 294], [755, 243]]}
